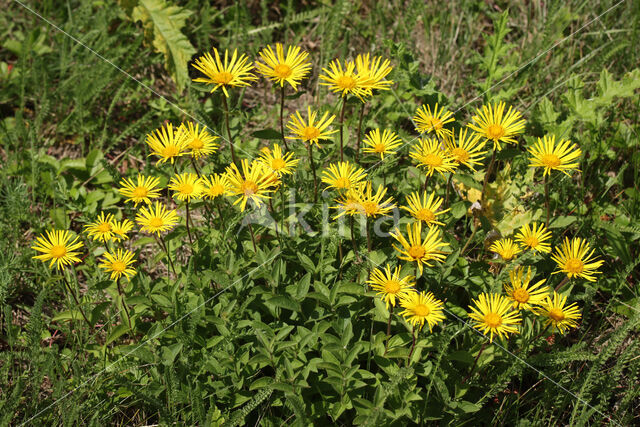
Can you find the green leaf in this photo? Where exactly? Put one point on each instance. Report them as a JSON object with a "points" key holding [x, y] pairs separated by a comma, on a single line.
{"points": [[116, 333], [284, 301], [267, 134], [170, 352]]}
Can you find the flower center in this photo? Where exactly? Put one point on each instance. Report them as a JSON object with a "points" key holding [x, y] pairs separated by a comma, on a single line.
{"points": [[416, 252], [435, 123], [392, 286], [556, 314], [140, 192], [574, 265], [432, 160], [196, 144], [346, 82], [156, 222], [492, 320], [282, 71], [460, 154], [223, 77], [118, 266], [342, 182], [495, 132], [310, 133], [216, 190], [185, 188], [278, 163], [58, 251], [425, 215], [379, 148], [550, 160], [421, 310], [170, 151], [521, 295], [531, 241], [249, 188], [370, 208], [104, 227]]}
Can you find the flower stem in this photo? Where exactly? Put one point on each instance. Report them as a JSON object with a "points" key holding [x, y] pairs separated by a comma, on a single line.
{"points": [[486, 177], [475, 362], [561, 284], [475, 229], [413, 344], [188, 229], [546, 199], [426, 181], [163, 246], [446, 196], [75, 298], [344, 104], [124, 303], [284, 141], [226, 116], [253, 239], [386, 344], [275, 221], [313, 170], [195, 167], [353, 241], [358, 133], [221, 217]]}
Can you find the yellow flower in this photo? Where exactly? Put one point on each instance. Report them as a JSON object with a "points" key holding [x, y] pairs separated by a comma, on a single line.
{"points": [[215, 186], [534, 237], [505, 248], [373, 72], [58, 247], [372, 205], [574, 258], [465, 150], [200, 141], [143, 191], [230, 73], [343, 175], [427, 121], [168, 143], [414, 249], [349, 202], [310, 131], [425, 209], [492, 124], [493, 314], [157, 219], [429, 155], [521, 293], [254, 183], [278, 162], [557, 315], [344, 80], [186, 186], [562, 157], [119, 264], [390, 285], [422, 307], [101, 228], [386, 143], [290, 68], [121, 228]]}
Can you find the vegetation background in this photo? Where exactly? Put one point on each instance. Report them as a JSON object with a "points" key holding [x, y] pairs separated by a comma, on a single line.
{"points": [[74, 109]]}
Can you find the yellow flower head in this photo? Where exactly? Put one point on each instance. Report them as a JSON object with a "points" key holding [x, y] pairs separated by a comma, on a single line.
{"points": [[230, 73], [562, 157], [345, 80], [373, 72], [215, 186], [465, 150], [121, 228], [278, 162], [101, 228], [290, 68], [349, 202], [427, 120], [422, 307], [493, 313], [143, 191], [523, 295], [157, 219], [390, 285], [186, 186], [429, 155], [119, 264], [506, 248], [425, 209], [493, 124], [343, 175], [372, 205], [386, 143], [254, 183], [168, 143], [199, 141], [574, 259], [310, 131], [58, 248], [414, 249], [557, 315], [534, 237]]}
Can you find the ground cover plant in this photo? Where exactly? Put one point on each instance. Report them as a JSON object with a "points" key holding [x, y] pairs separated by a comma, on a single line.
{"points": [[353, 213]]}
